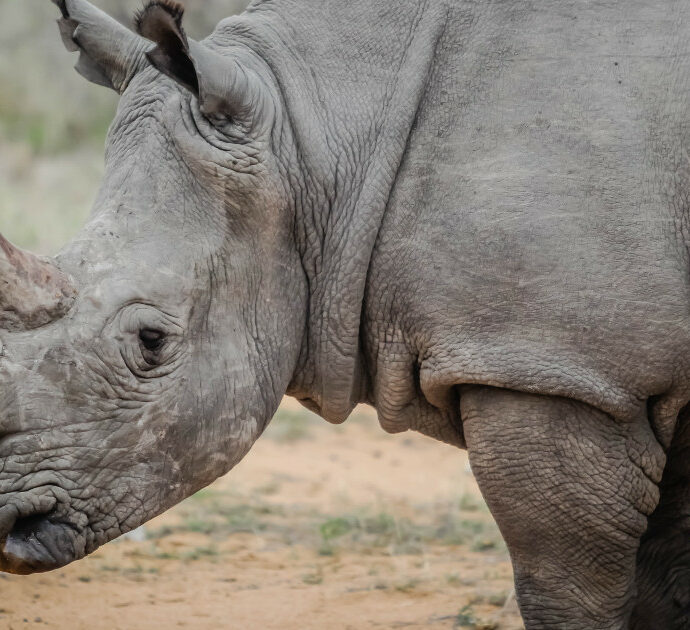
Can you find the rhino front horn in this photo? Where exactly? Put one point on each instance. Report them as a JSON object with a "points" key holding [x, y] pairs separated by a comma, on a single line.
{"points": [[33, 291]]}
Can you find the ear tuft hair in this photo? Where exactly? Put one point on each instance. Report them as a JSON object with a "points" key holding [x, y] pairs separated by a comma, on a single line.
{"points": [[160, 21], [148, 17]]}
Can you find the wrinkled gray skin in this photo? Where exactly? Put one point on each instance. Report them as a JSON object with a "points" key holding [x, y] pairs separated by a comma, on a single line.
{"points": [[471, 215]]}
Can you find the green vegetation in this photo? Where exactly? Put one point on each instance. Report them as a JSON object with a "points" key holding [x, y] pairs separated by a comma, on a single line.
{"points": [[401, 535], [466, 618], [472, 503], [313, 578], [200, 552], [408, 585], [220, 515], [335, 528], [292, 426]]}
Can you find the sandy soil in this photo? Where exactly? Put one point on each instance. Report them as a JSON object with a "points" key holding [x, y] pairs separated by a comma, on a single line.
{"points": [[321, 527]]}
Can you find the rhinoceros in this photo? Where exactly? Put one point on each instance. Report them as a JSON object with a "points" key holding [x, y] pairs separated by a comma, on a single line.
{"points": [[471, 215]]}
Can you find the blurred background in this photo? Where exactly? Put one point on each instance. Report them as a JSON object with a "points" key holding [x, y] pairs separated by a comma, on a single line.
{"points": [[319, 527], [53, 123]]}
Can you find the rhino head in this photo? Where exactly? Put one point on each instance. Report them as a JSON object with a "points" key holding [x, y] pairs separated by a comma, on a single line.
{"points": [[145, 359]]}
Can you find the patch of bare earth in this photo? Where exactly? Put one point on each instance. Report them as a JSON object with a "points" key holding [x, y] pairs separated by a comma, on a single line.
{"points": [[319, 528]]}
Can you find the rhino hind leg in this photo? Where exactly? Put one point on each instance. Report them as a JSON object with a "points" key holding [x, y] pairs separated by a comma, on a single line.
{"points": [[571, 490], [663, 562]]}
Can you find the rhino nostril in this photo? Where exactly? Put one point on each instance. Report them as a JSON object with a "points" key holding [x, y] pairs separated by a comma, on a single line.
{"points": [[25, 505], [37, 543], [25, 524]]}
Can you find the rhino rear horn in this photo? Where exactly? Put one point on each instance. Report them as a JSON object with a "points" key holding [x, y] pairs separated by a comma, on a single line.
{"points": [[223, 86], [110, 54], [33, 291]]}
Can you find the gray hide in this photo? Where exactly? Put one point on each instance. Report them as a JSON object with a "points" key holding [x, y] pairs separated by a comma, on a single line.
{"points": [[471, 215]]}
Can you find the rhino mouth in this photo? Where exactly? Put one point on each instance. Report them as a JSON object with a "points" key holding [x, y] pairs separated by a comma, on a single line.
{"points": [[39, 543]]}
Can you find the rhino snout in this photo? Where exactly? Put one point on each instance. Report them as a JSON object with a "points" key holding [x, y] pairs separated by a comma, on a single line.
{"points": [[33, 538]]}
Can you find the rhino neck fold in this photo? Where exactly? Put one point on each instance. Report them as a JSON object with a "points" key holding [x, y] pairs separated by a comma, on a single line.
{"points": [[352, 76]]}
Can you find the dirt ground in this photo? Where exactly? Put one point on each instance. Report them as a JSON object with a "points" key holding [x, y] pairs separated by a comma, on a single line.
{"points": [[320, 527]]}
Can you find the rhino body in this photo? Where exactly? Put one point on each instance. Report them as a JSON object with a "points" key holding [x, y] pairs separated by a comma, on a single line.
{"points": [[471, 215]]}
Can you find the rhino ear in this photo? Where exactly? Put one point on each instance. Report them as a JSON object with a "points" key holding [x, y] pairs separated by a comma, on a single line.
{"points": [[223, 86], [161, 22], [110, 54]]}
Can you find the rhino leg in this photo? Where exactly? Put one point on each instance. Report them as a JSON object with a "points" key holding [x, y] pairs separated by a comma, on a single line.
{"points": [[571, 490], [663, 562]]}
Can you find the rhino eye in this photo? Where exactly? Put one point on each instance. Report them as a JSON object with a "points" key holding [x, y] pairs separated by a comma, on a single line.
{"points": [[151, 340]]}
